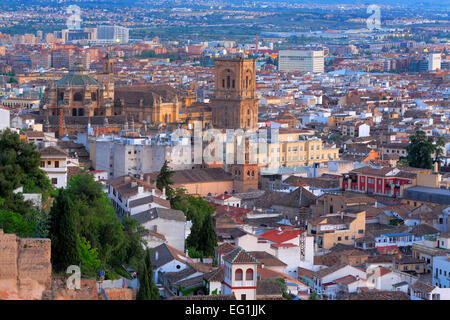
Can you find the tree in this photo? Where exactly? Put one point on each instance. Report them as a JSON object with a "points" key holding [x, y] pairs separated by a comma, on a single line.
{"points": [[116, 241], [19, 166], [12, 222], [90, 263], [313, 296], [420, 150], [208, 237], [203, 237], [147, 288], [163, 180], [439, 148], [63, 233]]}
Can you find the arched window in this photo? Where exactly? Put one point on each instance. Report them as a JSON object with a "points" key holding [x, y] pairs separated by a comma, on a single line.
{"points": [[253, 173], [249, 275], [248, 173], [246, 82], [238, 275], [93, 96], [78, 96]]}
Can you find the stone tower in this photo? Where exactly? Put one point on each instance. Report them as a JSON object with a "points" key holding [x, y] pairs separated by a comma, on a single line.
{"points": [[108, 64], [234, 104]]}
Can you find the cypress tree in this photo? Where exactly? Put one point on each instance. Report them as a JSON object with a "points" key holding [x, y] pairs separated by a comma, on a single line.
{"points": [[63, 233], [163, 180], [208, 236], [147, 288]]}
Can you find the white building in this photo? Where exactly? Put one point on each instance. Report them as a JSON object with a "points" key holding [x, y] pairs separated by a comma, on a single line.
{"points": [[434, 61], [130, 196], [326, 281], [113, 34], [306, 60], [170, 223], [425, 291], [441, 271], [54, 164], [240, 274], [4, 119], [227, 200], [404, 239], [132, 156]]}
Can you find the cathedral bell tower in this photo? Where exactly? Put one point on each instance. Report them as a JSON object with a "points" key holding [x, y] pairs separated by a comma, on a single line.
{"points": [[235, 106]]}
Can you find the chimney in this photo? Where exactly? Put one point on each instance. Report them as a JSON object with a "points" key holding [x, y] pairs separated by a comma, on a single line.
{"points": [[153, 192], [436, 167]]}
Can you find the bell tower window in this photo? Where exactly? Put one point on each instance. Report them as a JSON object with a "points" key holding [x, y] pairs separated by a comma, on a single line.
{"points": [[238, 275], [78, 96]]}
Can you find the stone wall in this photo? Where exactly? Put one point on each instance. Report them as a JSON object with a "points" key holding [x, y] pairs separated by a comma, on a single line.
{"points": [[120, 293], [59, 290], [25, 267]]}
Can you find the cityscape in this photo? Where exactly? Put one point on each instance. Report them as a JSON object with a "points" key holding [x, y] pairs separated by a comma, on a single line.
{"points": [[224, 150]]}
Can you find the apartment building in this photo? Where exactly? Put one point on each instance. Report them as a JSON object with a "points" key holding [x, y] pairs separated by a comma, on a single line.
{"points": [[343, 227], [306, 60], [296, 149]]}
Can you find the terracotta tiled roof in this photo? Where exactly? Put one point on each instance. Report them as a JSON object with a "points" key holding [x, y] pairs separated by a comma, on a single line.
{"points": [[377, 295], [281, 236], [239, 256], [422, 286], [268, 287], [267, 259], [215, 275], [53, 152], [224, 248]]}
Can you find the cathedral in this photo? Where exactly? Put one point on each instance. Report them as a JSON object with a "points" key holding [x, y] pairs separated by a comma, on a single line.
{"points": [[81, 100]]}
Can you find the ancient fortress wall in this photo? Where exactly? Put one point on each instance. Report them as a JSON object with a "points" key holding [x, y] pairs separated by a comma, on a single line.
{"points": [[25, 268]]}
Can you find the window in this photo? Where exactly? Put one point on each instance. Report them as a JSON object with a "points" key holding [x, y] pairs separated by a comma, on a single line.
{"points": [[243, 297], [78, 96], [238, 275], [346, 237], [56, 164], [54, 181], [43, 165], [249, 275], [360, 231], [339, 238]]}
